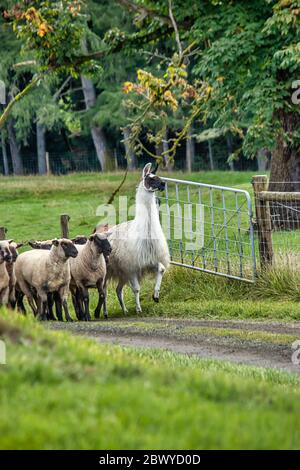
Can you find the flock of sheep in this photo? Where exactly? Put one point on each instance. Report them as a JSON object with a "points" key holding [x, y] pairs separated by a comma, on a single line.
{"points": [[125, 252]]}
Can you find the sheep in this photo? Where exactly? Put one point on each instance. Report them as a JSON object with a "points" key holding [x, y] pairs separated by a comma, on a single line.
{"points": [[89, 270], [40, 272], [5, 257], [139, 246], [10, 268]]}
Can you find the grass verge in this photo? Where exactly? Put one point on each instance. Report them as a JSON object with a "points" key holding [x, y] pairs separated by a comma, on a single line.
{"points": [[62, 392]]}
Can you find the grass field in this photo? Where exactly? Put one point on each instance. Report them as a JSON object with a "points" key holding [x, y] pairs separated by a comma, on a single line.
{"points": [[30, 209], [60, 391]]}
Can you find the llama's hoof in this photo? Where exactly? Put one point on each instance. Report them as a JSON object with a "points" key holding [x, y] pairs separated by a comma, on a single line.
{"points": [[138, 311], [156, 299]]}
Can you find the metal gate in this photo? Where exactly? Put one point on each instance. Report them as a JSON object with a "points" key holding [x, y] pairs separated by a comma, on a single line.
{"points": [[209, 228]]}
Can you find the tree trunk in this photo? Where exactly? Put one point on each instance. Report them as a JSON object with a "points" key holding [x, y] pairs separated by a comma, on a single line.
{"points": [[102, 150], [41, 148], [262, 160], [14, 149], [211, 155], [285, 174], [230, 151], [190, 151], [130, 155], [4, 154]]}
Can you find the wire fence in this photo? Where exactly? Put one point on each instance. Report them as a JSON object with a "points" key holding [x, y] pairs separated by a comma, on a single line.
{"points": [[277, 222]]}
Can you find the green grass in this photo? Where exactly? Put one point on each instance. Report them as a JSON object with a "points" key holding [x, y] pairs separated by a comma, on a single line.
{"points": [[62, 392], [30, 209]]}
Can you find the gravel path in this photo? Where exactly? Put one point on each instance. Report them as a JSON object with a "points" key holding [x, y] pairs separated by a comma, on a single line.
{"points": [[193, 338]]}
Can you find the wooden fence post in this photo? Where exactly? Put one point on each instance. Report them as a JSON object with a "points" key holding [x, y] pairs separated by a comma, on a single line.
{"points": [[263, 220], [64, 224], [3, 231]]}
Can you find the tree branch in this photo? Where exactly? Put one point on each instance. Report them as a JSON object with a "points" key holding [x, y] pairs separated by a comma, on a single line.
{"points": [[4, 116], [174, 24]]}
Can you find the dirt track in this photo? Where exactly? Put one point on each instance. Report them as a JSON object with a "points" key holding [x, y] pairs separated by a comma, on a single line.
{"points": [[264, 344]]}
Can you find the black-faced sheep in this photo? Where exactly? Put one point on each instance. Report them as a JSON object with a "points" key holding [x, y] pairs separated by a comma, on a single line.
{"points": [[5, 257], [88, 270], [40, 272]]}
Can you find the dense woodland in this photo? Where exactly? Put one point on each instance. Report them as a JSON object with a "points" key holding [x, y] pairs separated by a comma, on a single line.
{"points": [[99, 85]]}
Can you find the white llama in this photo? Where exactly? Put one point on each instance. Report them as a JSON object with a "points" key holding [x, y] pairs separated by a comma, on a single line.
{"points": [[139, 246]]}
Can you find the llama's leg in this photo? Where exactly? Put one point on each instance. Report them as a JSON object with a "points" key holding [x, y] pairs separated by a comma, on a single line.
{"points": [[135, 286], [160, 272], [119, 291]]}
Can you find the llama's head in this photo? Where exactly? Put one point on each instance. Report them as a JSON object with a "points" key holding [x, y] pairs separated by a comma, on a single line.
{"points": [[151, 182]]}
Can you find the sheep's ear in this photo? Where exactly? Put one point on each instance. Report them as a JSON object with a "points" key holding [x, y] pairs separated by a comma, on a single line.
{"points": [[147, 169], [91, 238], [55, 242], [10, 241], [19, 245]]}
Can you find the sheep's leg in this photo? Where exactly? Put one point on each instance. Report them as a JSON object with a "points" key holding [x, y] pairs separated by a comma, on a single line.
{"points": [[50, 301], [101, 300], [66, 310], [160, 272], [135, 287], [42, 304], [20, 303], [80, 304], [76, 303], [12, 298], [86, 302], [119, 291], [58, 306], [26, 290], [4, 296]]}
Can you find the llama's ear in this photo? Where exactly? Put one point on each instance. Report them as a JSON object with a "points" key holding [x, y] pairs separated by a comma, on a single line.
{"points": [[147, 169]]}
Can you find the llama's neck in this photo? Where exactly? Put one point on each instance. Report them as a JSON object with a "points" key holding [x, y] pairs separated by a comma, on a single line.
{"points": [[146, 213]]}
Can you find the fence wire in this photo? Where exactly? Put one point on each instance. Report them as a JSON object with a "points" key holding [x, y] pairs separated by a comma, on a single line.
{"points": [[209, 228]]}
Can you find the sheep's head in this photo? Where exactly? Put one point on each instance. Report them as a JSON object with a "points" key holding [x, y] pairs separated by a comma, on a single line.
{"points": [[5, 254], [13, 248], [65, 247], [152, 182], [101, 244]]}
